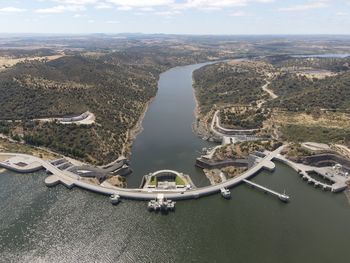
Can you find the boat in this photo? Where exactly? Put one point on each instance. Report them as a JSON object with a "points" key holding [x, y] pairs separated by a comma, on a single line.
{"points": [[115, 199], [225, 193]]}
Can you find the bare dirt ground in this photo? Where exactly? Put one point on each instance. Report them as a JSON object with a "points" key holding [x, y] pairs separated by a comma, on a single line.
{"points": [[7, 62], [16, 147], [334, 120]]}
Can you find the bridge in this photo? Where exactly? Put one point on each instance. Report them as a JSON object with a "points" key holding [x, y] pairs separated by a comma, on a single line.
{"points": [[70, 179]]}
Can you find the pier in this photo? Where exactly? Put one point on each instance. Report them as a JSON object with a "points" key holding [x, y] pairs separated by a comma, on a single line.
{"points": [[283, 197]]}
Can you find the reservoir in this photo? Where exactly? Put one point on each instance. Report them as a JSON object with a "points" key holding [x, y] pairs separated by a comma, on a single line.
{"points": [[40, 224]]}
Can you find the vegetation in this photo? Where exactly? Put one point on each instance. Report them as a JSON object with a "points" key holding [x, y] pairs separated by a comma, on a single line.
{"points": [[228, 84], [115, 86], [117, 180], [20, 53], [296, 152], [331, 64], [243, 117], [6, 146], [299, 93], [115, 78], [302, 133], [179, 181], [232, 171], [241, 150], [153, 181]]}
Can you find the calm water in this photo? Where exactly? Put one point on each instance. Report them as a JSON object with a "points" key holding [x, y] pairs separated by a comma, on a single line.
{"points": [[167, 141], [40, 224]]}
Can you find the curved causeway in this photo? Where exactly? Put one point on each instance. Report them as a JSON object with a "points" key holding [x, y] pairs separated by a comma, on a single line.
{"points": [[69, 180]]}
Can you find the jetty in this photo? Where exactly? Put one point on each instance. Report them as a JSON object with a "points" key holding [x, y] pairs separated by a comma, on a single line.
{"points": [[283, 197]]}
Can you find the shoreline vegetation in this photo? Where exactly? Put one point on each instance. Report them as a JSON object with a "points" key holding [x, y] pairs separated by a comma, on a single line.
{"points": [[117, 79], [218, 87], [125, 94], [135, 131]]}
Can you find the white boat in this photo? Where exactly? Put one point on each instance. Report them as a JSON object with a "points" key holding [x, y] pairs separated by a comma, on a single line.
{"points": [[115, 199], [225, 193]]}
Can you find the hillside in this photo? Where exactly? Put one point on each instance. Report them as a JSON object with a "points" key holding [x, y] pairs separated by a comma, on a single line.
{"points": [[115, 86], [229, 83]]}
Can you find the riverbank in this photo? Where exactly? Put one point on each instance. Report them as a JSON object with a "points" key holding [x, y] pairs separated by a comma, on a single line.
{"points": [[200, 124], [134, 131]]}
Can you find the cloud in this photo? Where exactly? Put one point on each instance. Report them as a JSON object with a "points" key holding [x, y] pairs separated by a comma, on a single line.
{"points": [[77, 2], [103, 6], [239, 14], [11, 9], [167, 13], [112, 22], [124, 8], [151, 5], [211, 4], [131, 4], [341, 14], [147, 9], [79, 15], [60, 9], [307, 6]]}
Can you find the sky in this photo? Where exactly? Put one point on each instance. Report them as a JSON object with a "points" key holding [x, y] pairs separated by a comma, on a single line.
{"points": [[176, 16]]}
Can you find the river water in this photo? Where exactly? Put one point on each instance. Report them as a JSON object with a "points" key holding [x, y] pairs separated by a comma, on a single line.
{"points": [[40, 224]]}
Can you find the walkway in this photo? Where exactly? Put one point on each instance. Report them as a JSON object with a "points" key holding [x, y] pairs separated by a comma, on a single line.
{"points": [[282, 197]]}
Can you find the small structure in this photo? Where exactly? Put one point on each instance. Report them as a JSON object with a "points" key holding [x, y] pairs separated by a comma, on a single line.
{"points": [[167, 180], [225, 193], [161, 204], [115, 199], [21, 164], [120, 167]]}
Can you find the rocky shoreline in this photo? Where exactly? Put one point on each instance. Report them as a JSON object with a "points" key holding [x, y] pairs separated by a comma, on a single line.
{"points": [[199, 126], [134, 131]]}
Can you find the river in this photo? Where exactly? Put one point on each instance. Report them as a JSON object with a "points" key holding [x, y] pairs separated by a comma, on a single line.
{"points": [[40, 224]]}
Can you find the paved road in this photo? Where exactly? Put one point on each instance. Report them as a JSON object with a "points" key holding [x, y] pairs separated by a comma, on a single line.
{"points": [[216, 123]]}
